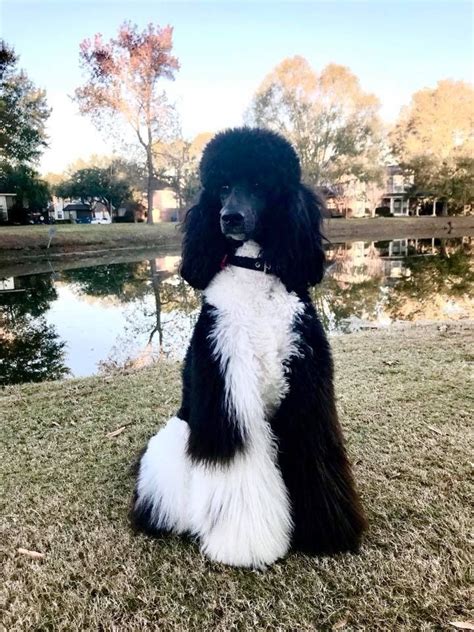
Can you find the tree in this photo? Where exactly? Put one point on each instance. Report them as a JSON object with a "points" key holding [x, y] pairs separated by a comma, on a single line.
{"points": [[30, 349], [178, 163], [95, 185], [32, 353], [331, 121], [433, 139], [125, 281], [31, 191], [23, 113], [123, 80]]}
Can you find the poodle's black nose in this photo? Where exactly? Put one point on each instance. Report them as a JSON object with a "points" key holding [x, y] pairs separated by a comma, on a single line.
{"points": [[232, 219]]}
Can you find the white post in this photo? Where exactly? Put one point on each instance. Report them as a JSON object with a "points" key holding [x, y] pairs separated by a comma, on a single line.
{"points": [[391, 206], [434, 206]]}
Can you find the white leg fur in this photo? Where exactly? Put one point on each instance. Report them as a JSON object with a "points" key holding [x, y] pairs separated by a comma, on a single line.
{"points": [[241, 511], [165, 475]]}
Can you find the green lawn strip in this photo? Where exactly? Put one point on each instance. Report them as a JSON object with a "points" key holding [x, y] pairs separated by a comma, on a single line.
{"points": [[29, 240], [403, 397]]}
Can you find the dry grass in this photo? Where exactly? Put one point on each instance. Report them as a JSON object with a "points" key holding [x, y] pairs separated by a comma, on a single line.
{"points": [[403, 400], [27, 242], [32, 241]]}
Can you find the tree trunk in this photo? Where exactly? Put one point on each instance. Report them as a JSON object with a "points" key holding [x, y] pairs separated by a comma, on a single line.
{"points": [[149, 191], [155, 282]]}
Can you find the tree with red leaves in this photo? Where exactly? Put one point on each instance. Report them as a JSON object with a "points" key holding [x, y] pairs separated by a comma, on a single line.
{"points": [[123, 81]]}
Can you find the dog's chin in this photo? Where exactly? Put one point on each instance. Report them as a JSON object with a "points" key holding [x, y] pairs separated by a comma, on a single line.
{"points": [[237, 236]]}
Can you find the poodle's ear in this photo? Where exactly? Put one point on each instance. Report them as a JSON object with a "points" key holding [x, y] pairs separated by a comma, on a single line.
{"points": [[297, 252], [310, 208], [204, 246]]}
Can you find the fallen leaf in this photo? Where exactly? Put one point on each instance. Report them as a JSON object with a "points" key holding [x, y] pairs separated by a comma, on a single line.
{"points": [[462, 625], [434, 429], [340, 624], [114, 433], [33, 554]]}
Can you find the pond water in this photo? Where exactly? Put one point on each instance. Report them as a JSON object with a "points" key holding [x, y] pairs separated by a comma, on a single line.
{"points": [[99, 318]]}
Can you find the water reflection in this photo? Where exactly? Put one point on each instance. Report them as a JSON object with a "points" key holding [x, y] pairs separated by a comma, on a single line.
{"points": [[373, 284], [30, 348], [125, 315]]}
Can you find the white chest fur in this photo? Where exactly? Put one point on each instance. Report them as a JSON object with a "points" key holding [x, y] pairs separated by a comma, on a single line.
{"points": [[253, 337]]}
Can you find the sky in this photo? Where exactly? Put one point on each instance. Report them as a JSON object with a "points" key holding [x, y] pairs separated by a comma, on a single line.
{"points": [[226, 48]]}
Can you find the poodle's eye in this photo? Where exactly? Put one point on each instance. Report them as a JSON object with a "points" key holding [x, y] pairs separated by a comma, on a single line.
{"points": [[225, 189]]}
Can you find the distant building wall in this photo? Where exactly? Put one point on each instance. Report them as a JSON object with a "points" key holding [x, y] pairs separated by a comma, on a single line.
{"points": [[6, 202], [165, 206]]}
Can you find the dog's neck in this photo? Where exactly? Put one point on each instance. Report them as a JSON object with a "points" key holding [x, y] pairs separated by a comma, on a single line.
{"points": [[249, 249]]}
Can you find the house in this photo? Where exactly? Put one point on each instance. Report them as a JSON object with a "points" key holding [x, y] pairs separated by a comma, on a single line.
{"points": [[400, 200], [347, 198], [165, 206], [78, 213], [395, 197], [7, 200], [355, 198]]}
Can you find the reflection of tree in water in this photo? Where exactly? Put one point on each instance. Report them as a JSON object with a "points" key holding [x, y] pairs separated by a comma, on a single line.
{"points": [[434, 283], [32, 296], [351, 287], [336, 302], [30, 350], [167, 300], [31, 353], [125, 281]]}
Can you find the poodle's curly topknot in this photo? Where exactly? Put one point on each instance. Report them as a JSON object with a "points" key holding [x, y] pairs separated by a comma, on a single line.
{"points": [[240, 153]]}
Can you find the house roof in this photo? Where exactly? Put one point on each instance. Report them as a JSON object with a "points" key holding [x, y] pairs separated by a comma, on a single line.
{"points": [[394, 170], [76, 207]]}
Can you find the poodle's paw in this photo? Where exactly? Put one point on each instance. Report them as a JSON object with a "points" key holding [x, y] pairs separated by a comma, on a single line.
{"points": [[162, 490], [240, 511], [229, 545]]}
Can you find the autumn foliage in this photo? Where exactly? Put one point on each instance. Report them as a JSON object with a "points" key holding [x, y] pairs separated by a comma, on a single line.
{"points": [[328, 117], [124, 79]]}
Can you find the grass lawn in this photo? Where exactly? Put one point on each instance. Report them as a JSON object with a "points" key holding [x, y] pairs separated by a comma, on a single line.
{"points": [[30, 242], [33, 240], [403, 398]]}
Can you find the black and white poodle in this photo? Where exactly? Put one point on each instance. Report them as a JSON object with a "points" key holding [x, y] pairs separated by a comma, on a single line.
{"points": [[253, 464]]}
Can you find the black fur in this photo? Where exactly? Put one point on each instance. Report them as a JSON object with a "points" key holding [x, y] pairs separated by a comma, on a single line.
{"points": [[214, 436], [289, 228], [327, 513]]}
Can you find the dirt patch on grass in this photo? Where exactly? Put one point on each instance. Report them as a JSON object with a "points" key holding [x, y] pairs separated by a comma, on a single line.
{"points": [[404, 400]]}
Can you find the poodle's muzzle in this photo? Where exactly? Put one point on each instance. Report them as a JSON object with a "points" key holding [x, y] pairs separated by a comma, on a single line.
{"points": [[239, 213]]}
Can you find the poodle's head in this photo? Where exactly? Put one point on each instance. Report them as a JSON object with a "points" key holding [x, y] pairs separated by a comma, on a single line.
{"points": [[252, 189]]}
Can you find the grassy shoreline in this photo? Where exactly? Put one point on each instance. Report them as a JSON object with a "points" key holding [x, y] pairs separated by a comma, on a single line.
{"points": [[403, 401], [19, 243]]}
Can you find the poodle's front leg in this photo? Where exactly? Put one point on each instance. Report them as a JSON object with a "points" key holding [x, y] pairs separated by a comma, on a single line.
{"points": [[240, 510], [161, 497], [239, 507]]}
